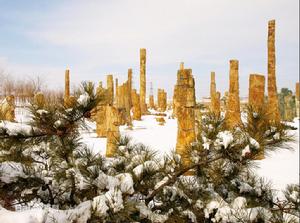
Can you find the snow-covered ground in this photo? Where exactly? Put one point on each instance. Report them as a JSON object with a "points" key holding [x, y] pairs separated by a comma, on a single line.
{"points": [[280, 167]]}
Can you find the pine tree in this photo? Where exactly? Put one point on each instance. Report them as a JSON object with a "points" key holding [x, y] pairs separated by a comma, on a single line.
{"points": [[46, 163]]}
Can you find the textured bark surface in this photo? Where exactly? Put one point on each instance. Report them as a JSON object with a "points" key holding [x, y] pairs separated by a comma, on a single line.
{"points": [[136, 108], [110, 89], [151, 102], [233, 113], [7, 109], [161, 100], [289, 112], [214, 99], [113, 132], [143, 80], [273, 105], [184, 104], [100, 116], [256, 91], [123, 105]]}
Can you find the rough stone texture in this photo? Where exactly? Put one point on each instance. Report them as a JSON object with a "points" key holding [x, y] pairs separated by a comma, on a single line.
{"points": [[124, 107], [218, 104], [233, 113], [273, 105], [39, 100], [256, 92], [100, 116], [184, 103], [136, 108], [151, 102], [7, 109], [161, 100], [113, 132], [130, 86], [289, 112], [117, 93], [143, 80], [214, 103], [67, 101], [110, 89]]}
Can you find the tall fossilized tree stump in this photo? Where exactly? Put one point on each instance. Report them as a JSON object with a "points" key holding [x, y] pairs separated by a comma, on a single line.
{"points": [[100, 116], [7, 108], [123, 105], [214, 103], [130, 86], [297, 98], [273, 105], [256, 92], [136, 108], [151, 102], [233, 112], [143, 80], [289, 112], [69, 100], [161, 100], [256, 100], [184, 93], [117, 93], [110, 89], [113, 132]]}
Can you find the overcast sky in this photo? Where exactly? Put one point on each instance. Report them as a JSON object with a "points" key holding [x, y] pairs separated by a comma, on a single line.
{"points": [[95, 38]]}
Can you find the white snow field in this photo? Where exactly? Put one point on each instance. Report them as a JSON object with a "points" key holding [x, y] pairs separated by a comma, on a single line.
{"points": [[281, 167]]}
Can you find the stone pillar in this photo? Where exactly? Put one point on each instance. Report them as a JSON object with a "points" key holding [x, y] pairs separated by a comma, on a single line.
{"points": [[297, 98], [289, 113], [184, 93], [113, 132], [181, 66], [233, 113], [143, 80], [7, 109], [273, 105], [117, 93], [100, 116], [110, 89], [39, 100], [256, 98], [136, 108], [218, 104], [130, 86], [215, 109], [69, 101], [151, 102], [161, 100], [67, 83]]}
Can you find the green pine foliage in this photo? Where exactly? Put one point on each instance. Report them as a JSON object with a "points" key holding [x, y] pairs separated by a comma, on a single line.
{"points": [[48, 164]]}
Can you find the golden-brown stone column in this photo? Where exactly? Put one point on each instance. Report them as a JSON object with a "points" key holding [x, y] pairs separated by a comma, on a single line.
{"points": [[214, 107], [67, 83], [184, 93], [256, 92], [143, 80], [39, 100], [233, 113], [130, 86], [273, 105], [113, 132], [161, 100], [151, 102], [136, 108], [110, 89]]}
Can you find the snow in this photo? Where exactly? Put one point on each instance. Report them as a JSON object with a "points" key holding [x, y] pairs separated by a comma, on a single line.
{"points": [[282, 166], [83, 99]]}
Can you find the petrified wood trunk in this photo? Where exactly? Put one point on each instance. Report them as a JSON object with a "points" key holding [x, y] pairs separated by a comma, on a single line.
{"points": [[143, 80], [233, 113], [113, 132], [273, 105], [7, 109], [256, 92], [136, 108], [161, 100]]}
